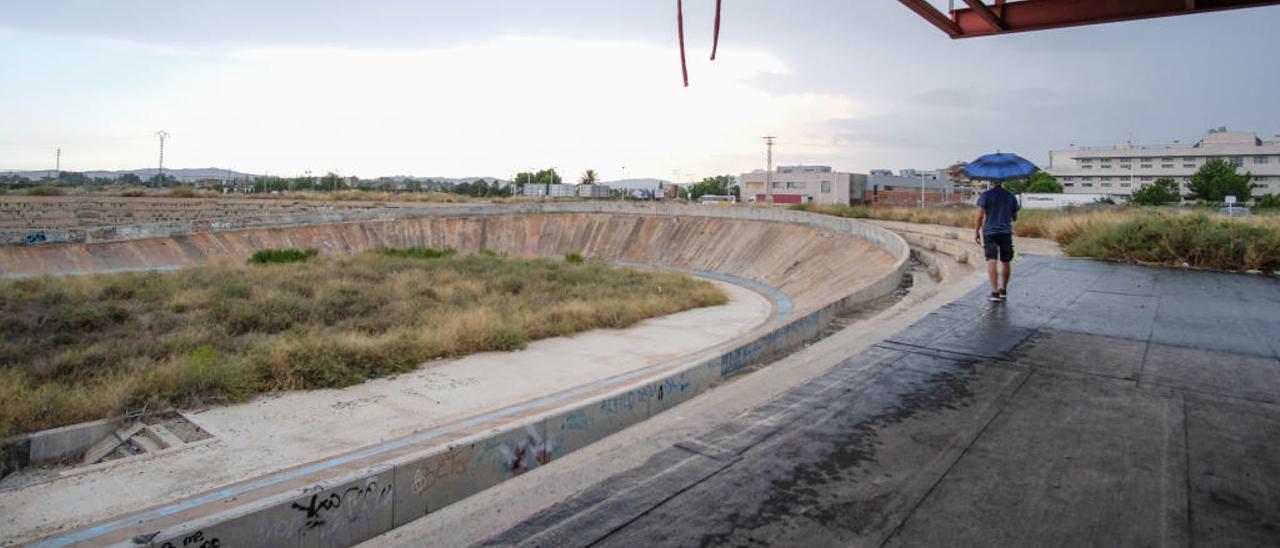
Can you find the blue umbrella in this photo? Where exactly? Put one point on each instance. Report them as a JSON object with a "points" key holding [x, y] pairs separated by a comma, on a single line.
{"points": [[1000, 167]]}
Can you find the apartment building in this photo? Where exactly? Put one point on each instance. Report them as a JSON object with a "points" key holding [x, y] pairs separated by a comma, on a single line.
{"points": [[805, 184], [1120, 169]]}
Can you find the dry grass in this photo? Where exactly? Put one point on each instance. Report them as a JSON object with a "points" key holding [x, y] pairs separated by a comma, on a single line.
{"points": [[1159, 236], [82, 348]]}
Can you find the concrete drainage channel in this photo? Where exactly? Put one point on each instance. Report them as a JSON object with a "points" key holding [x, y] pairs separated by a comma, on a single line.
{"points": [[350, 498]]}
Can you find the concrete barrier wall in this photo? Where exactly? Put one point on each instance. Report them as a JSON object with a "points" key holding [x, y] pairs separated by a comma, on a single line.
{"points": [[358, 501], [810, 258]]}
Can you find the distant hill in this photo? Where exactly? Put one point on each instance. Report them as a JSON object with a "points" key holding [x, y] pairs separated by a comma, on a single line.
{"points": [[189, 175], [183, 175]]}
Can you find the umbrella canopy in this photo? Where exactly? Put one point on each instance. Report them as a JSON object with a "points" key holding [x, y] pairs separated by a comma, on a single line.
{"points": [[1000, 167]]}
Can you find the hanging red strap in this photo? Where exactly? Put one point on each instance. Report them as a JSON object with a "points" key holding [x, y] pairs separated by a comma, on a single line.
{"points": [[715, 42], [684, 67]]}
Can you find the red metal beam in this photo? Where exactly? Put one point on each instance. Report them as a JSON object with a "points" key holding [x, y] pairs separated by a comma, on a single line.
{"points": [[986, 15], [931, 14], [1028, 15]]}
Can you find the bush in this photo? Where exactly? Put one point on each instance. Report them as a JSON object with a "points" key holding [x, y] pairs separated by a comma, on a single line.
{"points": [[418, 252], [44, 190], [182, 192], [849, 212], [1196, 240], [574, 258], [268, 256], [1270, 201]]}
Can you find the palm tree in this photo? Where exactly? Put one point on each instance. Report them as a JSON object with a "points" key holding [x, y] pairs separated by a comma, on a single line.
{"points": [[589, 177]]}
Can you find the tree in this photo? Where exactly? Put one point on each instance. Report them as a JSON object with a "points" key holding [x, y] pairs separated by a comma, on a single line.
{"points": [[1016, 186], [548, 177], [1043, 183], [712, 186], [589, 177], [131, 179], [1270, 201], [1163, 191], [330, 181], [1218, 179]]}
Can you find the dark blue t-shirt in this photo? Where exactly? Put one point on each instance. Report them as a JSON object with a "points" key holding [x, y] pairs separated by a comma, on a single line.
{"points": [[1002, 209]]}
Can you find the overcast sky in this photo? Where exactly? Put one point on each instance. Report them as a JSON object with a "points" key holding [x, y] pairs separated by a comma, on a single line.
{"points": [[454, 88]]}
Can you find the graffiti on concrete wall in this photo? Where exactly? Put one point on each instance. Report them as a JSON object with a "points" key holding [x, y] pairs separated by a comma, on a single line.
{"points": [[194, 540], [577, 421], [205, 225], [447, 465], [38, 237], [341, 517], [518, 457]]}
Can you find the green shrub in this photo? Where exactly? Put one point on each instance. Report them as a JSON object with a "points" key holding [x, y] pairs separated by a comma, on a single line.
{"points": [[1270, 201], [574, 258], [44, 190], [1196, 240], [88, 317], [838, 210], [418, 252], [268, 256]]}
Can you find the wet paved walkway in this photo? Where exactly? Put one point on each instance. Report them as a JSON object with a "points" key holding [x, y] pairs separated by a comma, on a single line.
{"points": [[1104, 405]]}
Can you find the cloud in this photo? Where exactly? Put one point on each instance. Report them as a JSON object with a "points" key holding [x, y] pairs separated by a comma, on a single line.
{"points": [[515, 103]]}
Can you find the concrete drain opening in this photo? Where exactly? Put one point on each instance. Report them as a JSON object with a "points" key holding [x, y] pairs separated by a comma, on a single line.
{"points": [[46, 455]]}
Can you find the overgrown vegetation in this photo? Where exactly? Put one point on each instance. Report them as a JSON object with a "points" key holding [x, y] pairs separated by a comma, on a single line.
{"points": [[1195, 239], [1161, 236], [269, 256], [84, 347]]}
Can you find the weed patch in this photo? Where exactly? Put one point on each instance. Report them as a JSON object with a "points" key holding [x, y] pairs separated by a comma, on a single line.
{"points": [[80, 348]]}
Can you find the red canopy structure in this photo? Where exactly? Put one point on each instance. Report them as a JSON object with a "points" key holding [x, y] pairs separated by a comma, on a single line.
{"points": [[981, 19]]}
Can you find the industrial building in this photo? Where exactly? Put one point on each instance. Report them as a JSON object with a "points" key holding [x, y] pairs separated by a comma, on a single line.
{"points": [[910, 187], [819, 185], [1118, 170]]}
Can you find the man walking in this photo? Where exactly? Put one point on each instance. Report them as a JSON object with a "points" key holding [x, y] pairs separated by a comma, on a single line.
{"points": [[997, 210]]}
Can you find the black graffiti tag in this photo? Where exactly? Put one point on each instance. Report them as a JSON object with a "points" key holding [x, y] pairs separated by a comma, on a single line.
{"points": [[317, 507]]}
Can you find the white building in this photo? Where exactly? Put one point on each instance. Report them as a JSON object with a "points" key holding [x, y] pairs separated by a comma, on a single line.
{"points": [[805, 184], [1119, 170]]}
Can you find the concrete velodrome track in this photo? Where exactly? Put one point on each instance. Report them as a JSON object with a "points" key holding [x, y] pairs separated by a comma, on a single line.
{"points": [[809, 267]]}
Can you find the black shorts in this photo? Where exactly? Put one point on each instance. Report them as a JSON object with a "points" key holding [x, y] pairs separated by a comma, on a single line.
{"points": [[998, 246]]}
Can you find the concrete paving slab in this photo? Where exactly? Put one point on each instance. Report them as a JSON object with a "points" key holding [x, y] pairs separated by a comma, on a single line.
{"points": [[1235, 472], [1250, 377], [1058, 351], [1071, 461], [1111, 314]]}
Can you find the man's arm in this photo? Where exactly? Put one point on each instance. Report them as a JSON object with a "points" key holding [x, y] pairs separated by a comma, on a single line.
{"points": [[977, 231]]}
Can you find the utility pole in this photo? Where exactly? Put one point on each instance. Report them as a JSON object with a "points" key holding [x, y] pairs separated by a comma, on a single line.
{"points": [[162, 135], [768, 173], [57, 162]]}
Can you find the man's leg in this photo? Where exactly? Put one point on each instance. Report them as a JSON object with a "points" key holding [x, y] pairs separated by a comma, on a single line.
{"points": [[1006, 256], [991, 248], [1008, 270]]}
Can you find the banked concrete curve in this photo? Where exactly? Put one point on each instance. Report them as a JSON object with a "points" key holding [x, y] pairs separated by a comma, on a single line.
{"points": [[823, 265]]}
